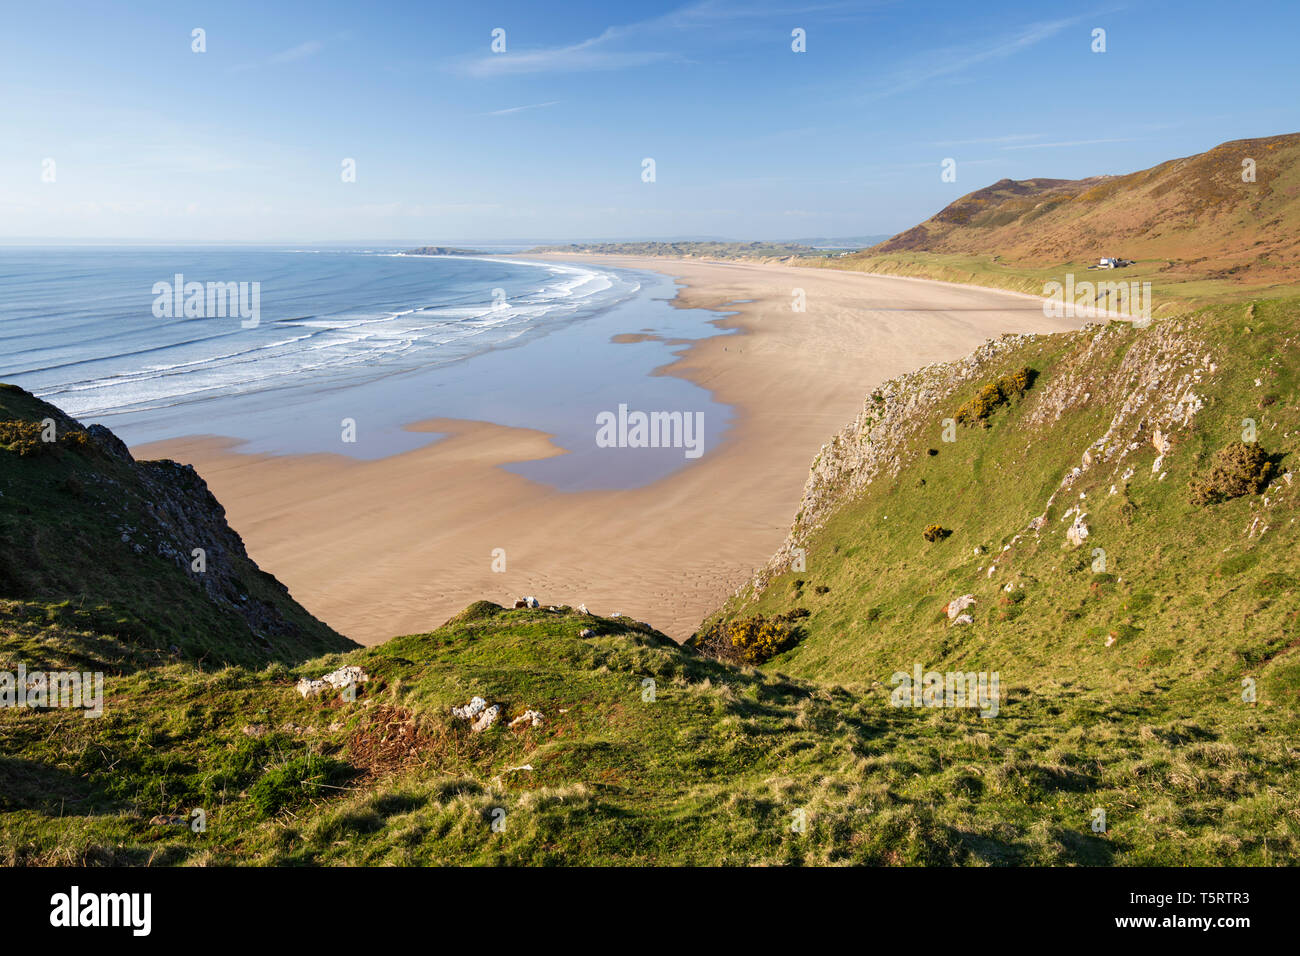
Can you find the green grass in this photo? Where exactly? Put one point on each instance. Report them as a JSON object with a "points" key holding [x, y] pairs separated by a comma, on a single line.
{"points": [[1172, 292], [712, 771], [1194, 603], [1122, 687]]}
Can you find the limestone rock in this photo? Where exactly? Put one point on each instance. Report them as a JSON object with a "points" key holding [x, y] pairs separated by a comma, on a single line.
{"points": [[1078, 531], [958, 604], [529, 718], [479, 712]]}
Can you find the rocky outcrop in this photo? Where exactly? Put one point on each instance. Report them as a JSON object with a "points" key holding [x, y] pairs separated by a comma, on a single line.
{"points": [[144, 545], [349, 676], [1155, 391], [874, 445]]}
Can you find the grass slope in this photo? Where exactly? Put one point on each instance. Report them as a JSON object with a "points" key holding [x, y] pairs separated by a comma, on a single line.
{"points": [[1124, 683], [95, 571]]}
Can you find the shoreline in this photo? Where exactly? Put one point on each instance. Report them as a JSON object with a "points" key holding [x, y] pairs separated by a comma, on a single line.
{"points": [[397, 545]]}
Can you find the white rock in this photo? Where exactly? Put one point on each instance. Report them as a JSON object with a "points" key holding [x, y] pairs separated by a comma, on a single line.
{"points": [[957, 605], [529, 718], [1078, 531], [486, 719], [582, 609], [310, 688], [586, 632], [343, 677], [478, 708], [963, 619], [475, 706]]}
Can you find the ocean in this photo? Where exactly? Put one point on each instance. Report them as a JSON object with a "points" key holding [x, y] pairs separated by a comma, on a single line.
{"points": [[298, 342]]}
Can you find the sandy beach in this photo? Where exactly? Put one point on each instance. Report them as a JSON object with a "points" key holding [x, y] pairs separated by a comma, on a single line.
{"points": [[398, 545]]}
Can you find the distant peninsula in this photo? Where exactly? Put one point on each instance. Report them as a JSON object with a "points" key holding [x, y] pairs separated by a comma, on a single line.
{"points": [[442, 251], [698, 250]]}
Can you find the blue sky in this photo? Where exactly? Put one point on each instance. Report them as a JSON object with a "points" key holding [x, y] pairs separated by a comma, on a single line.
{"points": [[546, 140]]}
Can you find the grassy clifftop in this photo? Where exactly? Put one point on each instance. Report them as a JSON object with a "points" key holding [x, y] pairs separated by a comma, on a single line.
{"points": [[712, 764], [99, 559], [1128, 624], [645, 753]]}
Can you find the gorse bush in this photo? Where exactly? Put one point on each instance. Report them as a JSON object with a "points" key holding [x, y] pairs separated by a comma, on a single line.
{"points": [[994, 395], [1237, 469], [759, 639], [25, 438], [935, 532], [750, 640]]}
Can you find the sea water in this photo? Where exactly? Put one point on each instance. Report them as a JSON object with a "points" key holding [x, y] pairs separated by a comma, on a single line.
{"points": [[370, 336]]}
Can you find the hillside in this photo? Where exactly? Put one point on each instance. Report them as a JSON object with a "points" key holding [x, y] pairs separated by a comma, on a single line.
{"points": [[1126, 621], [1121, 685], [1193, 227], [1195, 211], [98, 564]]}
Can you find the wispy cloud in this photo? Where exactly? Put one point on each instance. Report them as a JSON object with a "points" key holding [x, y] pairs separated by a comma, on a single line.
{"points": [[520, 109], [989, 140], [294, 53], [1072, 142], [632, 45], [299, 52], [578, 57], [952, 61]]}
